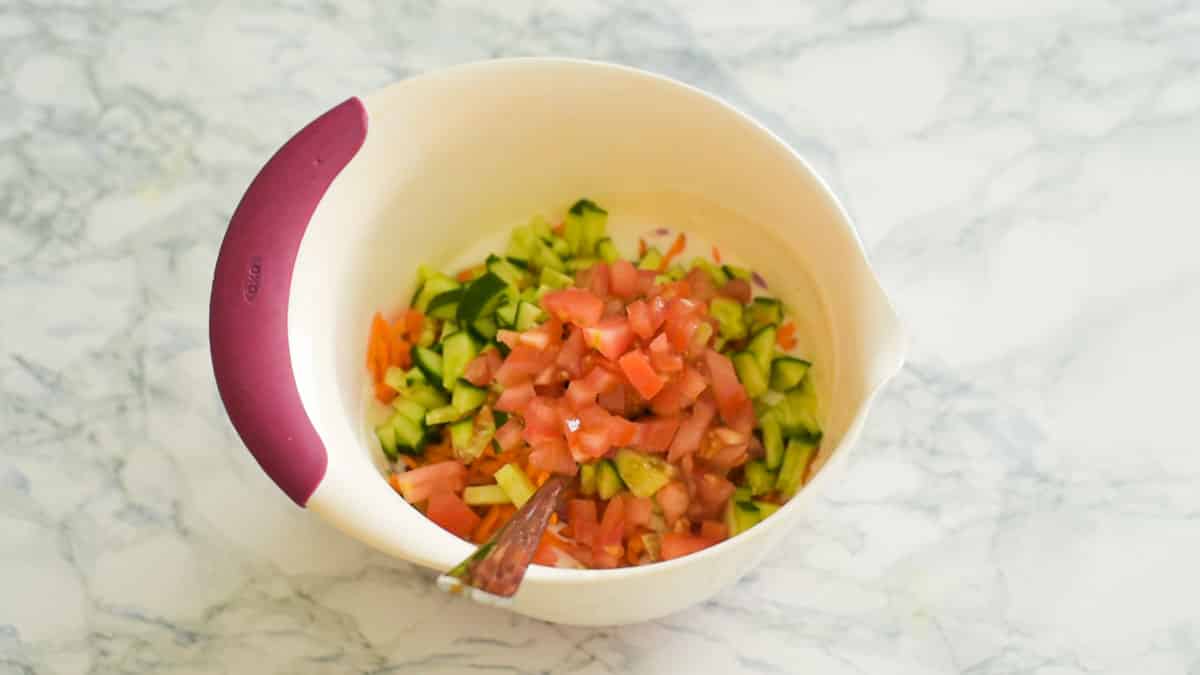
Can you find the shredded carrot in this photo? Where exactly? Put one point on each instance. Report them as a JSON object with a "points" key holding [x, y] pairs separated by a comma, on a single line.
{"points": [[377, 347], [394, 481], [465, 275], [414, 323], [506, 514], [716, 253], [676, 248], [633, 549], [384, 393], [786, 338], [642, 248], [558, 228], [487, 526], [553, 518], [409, 461]]}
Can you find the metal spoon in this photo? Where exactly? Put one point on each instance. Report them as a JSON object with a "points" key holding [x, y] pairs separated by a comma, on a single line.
{"points": [[493, 573]]}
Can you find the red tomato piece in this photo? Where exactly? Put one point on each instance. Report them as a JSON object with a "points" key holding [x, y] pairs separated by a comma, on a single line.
{"points": [[581, 516], [516, 397], [680, 329], [743, 418], [701, 285], [677, 545], [479, 370], [509, 338], [654, 435], [729, 392], [611, 337], [638, 510], [551, 454], [613, 400], [640, 374], [570, 357], [646, 281], [737, 289], [623, 279], [508, 436], [552, 552], [523, 362], [662, 357], [714, 530], [574, 305], [542, 420], [673, 498], [621, 431], [691, 430], [612, 530], [417, 484], [598, 283], [712, 492], [640, 319], [447, 510], [671, 400], [692, 384]]}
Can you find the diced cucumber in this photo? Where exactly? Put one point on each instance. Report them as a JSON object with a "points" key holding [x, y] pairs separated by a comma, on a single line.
{"points": [[457, 352], [485, 495], [430, 363], [651, 260], [715, 272], [461, 433], [560, 246], [425, 395], [587, 479], [515, 484], [762, 346], [554, 279], [608, 479], [758, 478], [764, 311], [751, 376], [445, 305], [607, 250], [765, 509], [728, 314], [521, 242], [396, 378], [428, 334], [772, 440], [449, 327], [787, 372], [676, 272], [484, 432], [481, 298], [644, 474], [540, 227], [387, 439], [410, 409], [735, 272], [796, 459], [484, 328], [798, 412], [576, 264], [467, 397], [510, 273], [506, 315], [741, 516], [741, 494], [433, 286], [595, 221], [410, 435], [529, 315], [544, 256], [442, 415]]}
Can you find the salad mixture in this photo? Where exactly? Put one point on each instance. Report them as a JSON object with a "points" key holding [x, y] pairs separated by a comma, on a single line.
{"points": [[665, 391]]}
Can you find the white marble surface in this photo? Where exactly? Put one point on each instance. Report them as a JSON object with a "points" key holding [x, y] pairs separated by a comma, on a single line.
{"points": [[1027, 496]]}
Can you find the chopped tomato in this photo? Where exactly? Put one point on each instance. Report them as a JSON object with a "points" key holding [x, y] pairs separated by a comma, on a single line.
{"points": [[509, 338], [447, 510], [662, 357], [729, 392], [737, 289], [702, 286], [542, 420], [692, 384], [681, 324], [516, 397], [611, 337], [552, 552], [646, 281], [712, 492], [574, 305], [479, 372], [691, 430], [623, 279], [523, 363], [714, 530], [640, 319], [621, 431], [677, 545], [599, 280], [581, 515], [611, 532], [551, 455], [417, 484], [638, 511], [640, 374], [655, 434], [508, 436], [673, 498], [570, 357]]}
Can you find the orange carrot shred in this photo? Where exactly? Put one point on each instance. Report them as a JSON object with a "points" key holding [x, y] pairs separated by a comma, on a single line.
{"points": [[465, 275], [553, 518], [409, 461], [786, 336], [414, 323], [642, 248], [676, 248], [384, 393], [486, 526], [716, 254], [559, 227]]}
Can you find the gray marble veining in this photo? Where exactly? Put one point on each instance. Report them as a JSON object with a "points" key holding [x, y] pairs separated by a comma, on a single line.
{"points": [[1027, 495]]}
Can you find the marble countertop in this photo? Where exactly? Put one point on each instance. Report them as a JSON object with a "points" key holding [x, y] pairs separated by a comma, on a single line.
{"points": [[1026, 498]]}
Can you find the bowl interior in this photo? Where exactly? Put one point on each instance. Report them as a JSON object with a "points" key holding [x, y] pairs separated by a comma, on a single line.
{"points": [[454, 160]]}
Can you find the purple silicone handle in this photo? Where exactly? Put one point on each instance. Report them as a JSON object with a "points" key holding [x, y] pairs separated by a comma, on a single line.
{"points": [[247, 327]]}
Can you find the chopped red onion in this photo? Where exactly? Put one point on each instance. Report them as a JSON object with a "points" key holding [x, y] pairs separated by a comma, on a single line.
{"points": [[758, 280]]}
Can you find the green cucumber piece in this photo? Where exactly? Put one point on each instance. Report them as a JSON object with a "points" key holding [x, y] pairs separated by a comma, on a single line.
{"points": [[445, 305], [772, 435], [560, 246], [457, 352], [485, 495], [741, 494], [467, 397], [576, 264], [715, 272], [430, 363], [481, 298], [387, 439], [554, 279], [529, 315], [735, 272], [796, 459], [798, 412], [765, 509], [544, 256], [608, 479], [741, 516], [651, 260], [644, 474], [764, 311], [758, 478], [587, 479], [410, 409], [762, 346], [461, 433], [396, 378], [442, 415], [751, 376], [787, 372], [410, 435], [594, 221], [484, 328], [728, 314], [607, 250], [506, 314], [431, 287], [425, 395], [515, 484], [508, 272]]}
